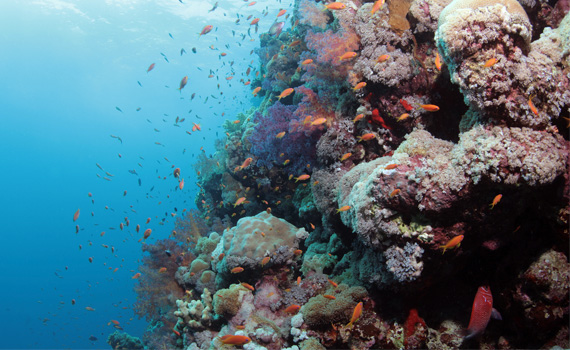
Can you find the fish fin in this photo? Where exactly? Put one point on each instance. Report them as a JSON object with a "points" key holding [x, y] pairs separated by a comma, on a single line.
{"points": [[496, 315]]}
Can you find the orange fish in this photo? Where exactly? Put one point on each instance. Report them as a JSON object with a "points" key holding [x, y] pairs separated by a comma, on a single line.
{"points": [[147, 233], [452, 243], [138, 228], [496, 200], [395, 192], [391, 166], [256, 90], [248, 286], [147, 220], [286, 162], [331, 297], [196, 127], [383, 58], [235, 339], [298, 280], [76, 215], [246, 163], [254, 21], [307, 61], [181, 184], [162, 270], [176, 332], [437, 61], [265, 260], [239, 201], [531, 105], [115, 322], [490, 62], [286, 93], [151, 67], [302, 177], [237, 270], [240, 327], [357, 118], [298, 252], [355, 314], [343, 208], [333, 283], [377, 6], [281, 12], [403, 116], [430, 108], [293, 309], [345, 156], [359, 86], [89, 308], [280, 135], [206, 29], [347, 55], [335, 6], [319, 121], [366, 137]]}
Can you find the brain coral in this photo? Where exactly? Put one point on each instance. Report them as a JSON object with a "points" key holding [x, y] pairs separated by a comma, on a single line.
{"points": [[256, 237]]}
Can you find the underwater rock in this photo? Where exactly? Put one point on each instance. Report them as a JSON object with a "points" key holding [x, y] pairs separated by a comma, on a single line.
{"points": [[123, 341]]}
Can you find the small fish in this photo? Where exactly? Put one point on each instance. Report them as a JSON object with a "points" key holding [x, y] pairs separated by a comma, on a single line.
{"points": [[333, 283], [437, 61], [256, 90], [235, 339], [355, 314], [214, 8], [383, 58], [293, 309], [395, 192], [248, 286], [347, 55], [335, 6], [280, 135], [76, 215], [183, 83], [302, 177], [298, 252], [331, 297], [391, 166], [343, 208], [265, 260], [89, 308], [307, 61], [254, 21], [366, 137], [357, 118], [496, 200], [430, 108], [319, 121], [531, 105], [205, 31], [490, 62], [281, 12], [147, 233], [403, 116], [181, 184], [120, 110], [359, 86], [162, 270], [377, 6], [239, 201], [286, 93], [237, 269], [136, 276], [345, 156], [452, 243]]}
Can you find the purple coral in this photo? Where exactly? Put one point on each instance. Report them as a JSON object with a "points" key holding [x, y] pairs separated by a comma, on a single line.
{"points": [[296, 146]]}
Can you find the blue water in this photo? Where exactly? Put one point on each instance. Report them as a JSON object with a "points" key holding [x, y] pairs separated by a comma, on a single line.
{"points": [[65, 67]]}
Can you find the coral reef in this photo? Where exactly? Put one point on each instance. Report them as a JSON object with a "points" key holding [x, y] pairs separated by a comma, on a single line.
{"points": [[123, 341], [421, 152]]}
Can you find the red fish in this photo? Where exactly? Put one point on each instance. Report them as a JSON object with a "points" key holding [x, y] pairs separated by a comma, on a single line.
{"points": [[378, 119], [76, 215], [151, 67], [407, 106], [481, 312], [235, 339]]}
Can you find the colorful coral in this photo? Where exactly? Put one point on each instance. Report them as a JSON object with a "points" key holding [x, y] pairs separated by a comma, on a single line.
{"points": [[334, 205]]}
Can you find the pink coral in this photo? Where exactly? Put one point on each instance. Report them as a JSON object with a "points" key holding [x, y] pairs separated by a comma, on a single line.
{"points": [[312, 14], [330, 46]]}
